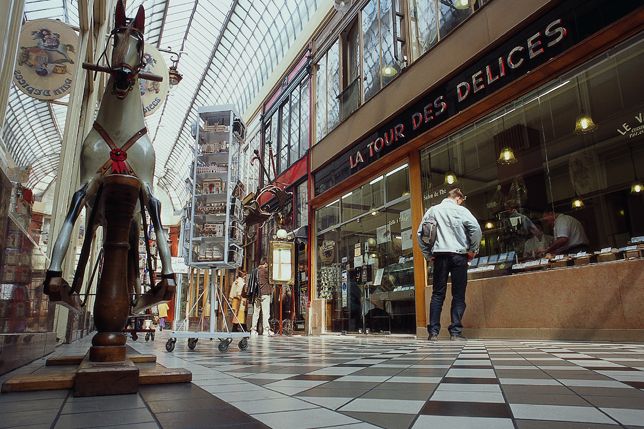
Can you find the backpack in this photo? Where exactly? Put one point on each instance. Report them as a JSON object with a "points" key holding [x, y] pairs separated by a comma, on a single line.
{"points": [[427, 233], [252, 285]]}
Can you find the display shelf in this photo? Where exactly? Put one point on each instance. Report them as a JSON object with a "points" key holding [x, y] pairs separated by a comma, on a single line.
{"points": [[214, 224]]}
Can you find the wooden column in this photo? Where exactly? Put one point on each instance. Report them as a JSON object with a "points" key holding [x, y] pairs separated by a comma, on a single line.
{"points": [[420, 265]]}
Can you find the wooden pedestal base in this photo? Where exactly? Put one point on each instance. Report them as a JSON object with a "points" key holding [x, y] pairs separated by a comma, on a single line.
{"points": [[106, 378], [98, 378]]}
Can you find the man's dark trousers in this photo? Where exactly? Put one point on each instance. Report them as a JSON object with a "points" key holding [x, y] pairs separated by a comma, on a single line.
{"points": [[444, 264]]}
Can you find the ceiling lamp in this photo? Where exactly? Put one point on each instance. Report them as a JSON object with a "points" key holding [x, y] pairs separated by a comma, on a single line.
{"points": [[489, 225], [584, 123], [389, 71], [461, 4], [507, 156], [342, 5], [577, 203]]}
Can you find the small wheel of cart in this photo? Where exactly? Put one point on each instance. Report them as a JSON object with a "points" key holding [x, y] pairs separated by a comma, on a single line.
{"points": [[169, 346], [192, 343], [147, 337], [243, 344], [152, 336], [134, 336], [223, 345]]}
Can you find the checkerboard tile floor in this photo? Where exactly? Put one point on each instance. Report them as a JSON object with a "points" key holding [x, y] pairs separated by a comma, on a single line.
{"points": [[367, 382]]}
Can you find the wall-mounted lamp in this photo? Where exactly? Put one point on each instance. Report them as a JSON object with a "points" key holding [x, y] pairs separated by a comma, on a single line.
{"points": [[489, 225], [577, 203], [507, 156], [584, 123], [174, 77]]}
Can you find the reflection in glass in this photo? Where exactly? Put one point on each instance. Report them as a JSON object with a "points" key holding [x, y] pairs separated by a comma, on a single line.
{"points": [[371, 52], [333, 86]]}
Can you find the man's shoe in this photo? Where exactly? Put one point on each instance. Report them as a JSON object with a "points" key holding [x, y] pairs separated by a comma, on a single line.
{"points": [[458, 337], [433, 337]]}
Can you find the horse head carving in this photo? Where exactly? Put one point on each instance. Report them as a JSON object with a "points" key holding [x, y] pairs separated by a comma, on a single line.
{"points": [[117, 145]]}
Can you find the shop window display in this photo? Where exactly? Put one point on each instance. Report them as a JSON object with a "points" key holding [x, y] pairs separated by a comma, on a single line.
{"points": [[365, 249], [528, 158]]}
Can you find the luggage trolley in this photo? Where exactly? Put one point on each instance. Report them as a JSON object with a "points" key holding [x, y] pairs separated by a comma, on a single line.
{"points": [[225, 337]]}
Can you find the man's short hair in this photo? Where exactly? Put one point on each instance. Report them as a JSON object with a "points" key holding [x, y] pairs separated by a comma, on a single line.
{"points": [[548, 210], [537, 222], [455, 193], [263, 260]]}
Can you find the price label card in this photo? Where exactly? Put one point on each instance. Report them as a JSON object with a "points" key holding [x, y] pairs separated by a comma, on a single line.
{"points": [[639, 239], [559, 257], [606, 250]]}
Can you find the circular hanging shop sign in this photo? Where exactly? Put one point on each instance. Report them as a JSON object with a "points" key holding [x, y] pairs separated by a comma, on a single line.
{"points": [[153, 93], [46, 59], [327, 251]]}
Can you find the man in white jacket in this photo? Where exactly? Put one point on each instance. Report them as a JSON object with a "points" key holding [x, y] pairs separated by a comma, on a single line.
{"points": [[458, 235]]}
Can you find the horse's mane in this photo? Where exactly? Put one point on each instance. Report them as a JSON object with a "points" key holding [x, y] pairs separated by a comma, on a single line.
{"points": [[125, 32]]}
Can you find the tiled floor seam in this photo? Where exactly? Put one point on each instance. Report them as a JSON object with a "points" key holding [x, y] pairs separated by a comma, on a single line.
{"points": [[60, 411]]}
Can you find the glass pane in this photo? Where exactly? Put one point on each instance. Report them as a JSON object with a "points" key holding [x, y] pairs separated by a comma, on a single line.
{"points": [[320, 99], [451, 16], [333, 85], [371, 50], [556, 183], [424, 31], [305, 99], [295, 125], [302, 208], [352, 205], [389, 64], [284, 137], [397, 182]]}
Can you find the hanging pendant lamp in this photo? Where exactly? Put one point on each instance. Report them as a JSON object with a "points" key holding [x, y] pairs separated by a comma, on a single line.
{"points": [[507, 156], [577, 203], [584, 123], [450, 176], [636, 187]]}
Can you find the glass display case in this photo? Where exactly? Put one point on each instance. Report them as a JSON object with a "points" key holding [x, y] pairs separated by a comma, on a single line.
{"points": [[216, 231]]}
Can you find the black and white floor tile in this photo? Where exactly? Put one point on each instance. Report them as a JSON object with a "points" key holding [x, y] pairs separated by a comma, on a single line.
{"points": [[364, 382]]}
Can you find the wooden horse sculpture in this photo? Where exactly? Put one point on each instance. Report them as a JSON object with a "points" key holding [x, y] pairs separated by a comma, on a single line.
{"points": [[117, 170]]}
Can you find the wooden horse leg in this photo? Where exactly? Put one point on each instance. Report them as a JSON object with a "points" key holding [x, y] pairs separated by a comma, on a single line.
{"points": [[62, 241], [165, 289], [133, 277]]}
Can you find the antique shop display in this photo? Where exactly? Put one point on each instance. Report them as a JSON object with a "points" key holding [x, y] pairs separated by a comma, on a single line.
{"points": [[215, 234]]}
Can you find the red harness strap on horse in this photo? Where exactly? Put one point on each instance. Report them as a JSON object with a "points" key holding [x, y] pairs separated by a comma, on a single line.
{"points": [[118, 156]]}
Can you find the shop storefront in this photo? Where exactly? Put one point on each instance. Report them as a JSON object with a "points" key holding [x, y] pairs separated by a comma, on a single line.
{"points": [[546, 123]]}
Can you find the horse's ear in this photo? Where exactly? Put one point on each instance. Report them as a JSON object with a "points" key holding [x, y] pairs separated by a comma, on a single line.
{"points": [[139, 21], [119, 16]]}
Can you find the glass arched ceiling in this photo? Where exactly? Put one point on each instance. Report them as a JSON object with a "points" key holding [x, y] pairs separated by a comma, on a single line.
{"points": [[228, 49]]}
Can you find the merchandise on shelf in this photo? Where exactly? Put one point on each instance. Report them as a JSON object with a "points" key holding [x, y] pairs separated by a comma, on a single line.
{"points": [[215, 232]]}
